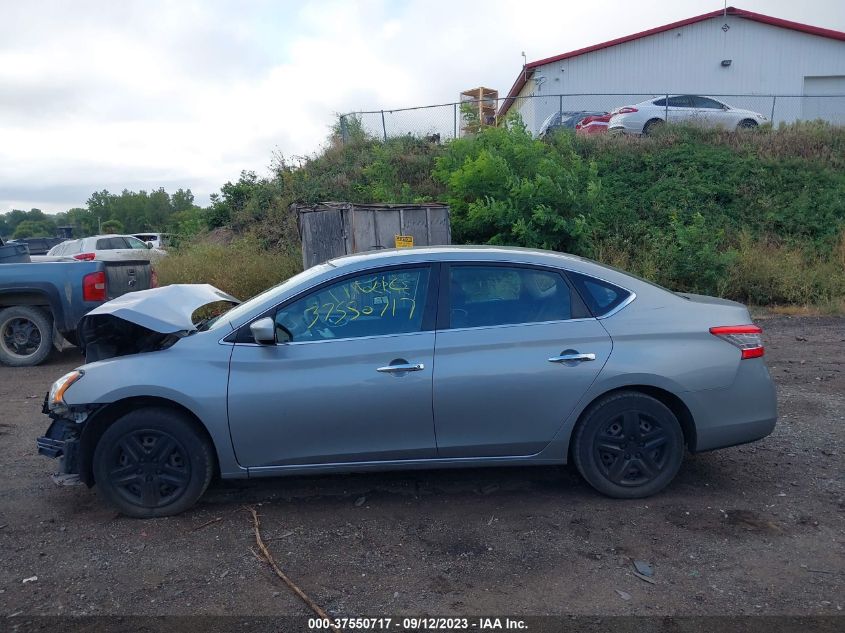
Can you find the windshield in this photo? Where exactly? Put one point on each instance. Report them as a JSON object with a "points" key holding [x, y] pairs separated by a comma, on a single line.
{"points": [[247, 306]]}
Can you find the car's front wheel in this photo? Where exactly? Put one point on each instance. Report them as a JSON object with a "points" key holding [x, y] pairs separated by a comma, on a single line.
{"points": [[747, 124], [628, 445], [153, 462]]}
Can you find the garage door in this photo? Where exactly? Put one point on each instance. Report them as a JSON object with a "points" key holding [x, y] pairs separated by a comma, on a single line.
{"points": [[828, 108]]}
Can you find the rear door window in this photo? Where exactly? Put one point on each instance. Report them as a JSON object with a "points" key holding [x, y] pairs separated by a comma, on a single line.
{"points": [[706, 103], [601, 297], [484, 296], [682, 101]]}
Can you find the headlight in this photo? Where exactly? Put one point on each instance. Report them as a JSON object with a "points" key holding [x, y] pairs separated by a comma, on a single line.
{"points": [[57, 392]]}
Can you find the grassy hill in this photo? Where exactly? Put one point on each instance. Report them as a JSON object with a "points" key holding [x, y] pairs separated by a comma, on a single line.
{"points": [[756, 216]]}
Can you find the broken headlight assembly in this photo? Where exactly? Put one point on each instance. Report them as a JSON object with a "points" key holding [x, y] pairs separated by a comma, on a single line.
{"points": [[55, 399]]}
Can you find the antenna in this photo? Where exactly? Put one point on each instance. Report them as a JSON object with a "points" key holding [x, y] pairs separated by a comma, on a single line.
{"points": [[725, 12]]}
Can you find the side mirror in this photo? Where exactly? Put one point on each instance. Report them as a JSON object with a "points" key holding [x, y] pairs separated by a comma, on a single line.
{"points": [[264, 331], [149, 244]]}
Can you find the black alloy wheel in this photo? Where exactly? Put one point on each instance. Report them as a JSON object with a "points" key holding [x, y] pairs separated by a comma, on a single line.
{"points": [[631, 449], [26, 336], [149, 468], [628, 445], [21, 337], [153, 461]]}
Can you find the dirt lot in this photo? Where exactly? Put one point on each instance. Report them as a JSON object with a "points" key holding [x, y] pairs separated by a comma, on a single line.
{"points": [[749, 530]]}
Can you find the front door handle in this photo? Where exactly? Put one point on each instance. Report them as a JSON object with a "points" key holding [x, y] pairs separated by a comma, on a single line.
{"points": [[395, 369], [567, 358]]}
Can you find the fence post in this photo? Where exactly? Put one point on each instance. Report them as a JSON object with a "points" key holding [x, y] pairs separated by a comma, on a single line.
{"points": [[560, 103], [383, 126], [667, 108], [772, 118], [455, 116], [344, 131]]}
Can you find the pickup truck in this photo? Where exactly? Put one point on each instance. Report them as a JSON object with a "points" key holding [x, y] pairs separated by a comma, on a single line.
{"points": [[41, 303]]}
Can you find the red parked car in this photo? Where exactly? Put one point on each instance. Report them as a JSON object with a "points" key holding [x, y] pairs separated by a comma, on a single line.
{"points": [[595, 124]]}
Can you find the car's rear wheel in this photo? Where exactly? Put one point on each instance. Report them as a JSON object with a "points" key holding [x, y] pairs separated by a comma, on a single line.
{"points": [[747, 124], [628, 445], [153, 462], [652, 126], [26, 336]]}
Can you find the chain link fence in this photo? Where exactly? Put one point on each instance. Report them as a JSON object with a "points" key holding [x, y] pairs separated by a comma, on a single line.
{"points": [[451, 120]]}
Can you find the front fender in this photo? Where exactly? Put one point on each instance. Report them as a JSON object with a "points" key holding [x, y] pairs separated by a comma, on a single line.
{"points": [[193, 374]]}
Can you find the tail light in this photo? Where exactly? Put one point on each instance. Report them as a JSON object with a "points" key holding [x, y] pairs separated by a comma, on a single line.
{"points": [[153, 278], [85, 257], [626, 110], [94, 286], [746, 337]]}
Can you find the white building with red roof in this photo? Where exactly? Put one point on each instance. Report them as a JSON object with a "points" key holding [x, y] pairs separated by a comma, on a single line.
{"points": [[738, 56]]}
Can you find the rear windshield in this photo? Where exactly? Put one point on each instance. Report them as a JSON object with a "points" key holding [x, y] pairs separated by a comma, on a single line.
{"points": [[600, 296]]}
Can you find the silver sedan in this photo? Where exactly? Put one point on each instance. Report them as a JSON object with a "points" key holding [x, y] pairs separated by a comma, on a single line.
{"points": [[421, 358]]}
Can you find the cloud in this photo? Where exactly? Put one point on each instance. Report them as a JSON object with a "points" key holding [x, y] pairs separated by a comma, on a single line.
{"points": [[141, 94]]}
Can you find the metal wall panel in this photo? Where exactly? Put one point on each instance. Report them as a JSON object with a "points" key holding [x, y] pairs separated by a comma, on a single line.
{"points": [[765, 60], [333, 229]]}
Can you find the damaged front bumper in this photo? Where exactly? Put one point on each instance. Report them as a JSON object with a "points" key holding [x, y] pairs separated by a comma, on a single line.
{"points": [[63, 439]]}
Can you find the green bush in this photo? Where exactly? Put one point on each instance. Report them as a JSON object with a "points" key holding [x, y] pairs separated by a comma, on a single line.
{"points": [[504, 187], [756, 216]]}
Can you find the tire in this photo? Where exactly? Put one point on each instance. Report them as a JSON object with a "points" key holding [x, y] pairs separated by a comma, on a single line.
{"points": [[153, 462], [26, 336], [746, 124], [651, 126], [609, 441]]}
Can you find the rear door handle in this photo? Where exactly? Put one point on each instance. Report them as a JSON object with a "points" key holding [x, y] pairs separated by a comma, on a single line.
{"points": [[395, 369], [566, 358]]}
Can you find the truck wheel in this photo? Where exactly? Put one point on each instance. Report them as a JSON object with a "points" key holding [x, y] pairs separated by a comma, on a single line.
{"points": [[26, 336], [153, 462]]}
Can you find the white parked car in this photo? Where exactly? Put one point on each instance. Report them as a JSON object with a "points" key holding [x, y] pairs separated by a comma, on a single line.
{"points": [[156, 240], [106, 248], [642, 118]]}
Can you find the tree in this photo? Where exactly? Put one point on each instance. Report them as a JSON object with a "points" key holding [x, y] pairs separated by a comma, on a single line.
{"points": [[32, 228], [112, 226]]}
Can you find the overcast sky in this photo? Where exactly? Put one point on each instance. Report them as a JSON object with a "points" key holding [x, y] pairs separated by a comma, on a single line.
{"points": [[122, 94]]}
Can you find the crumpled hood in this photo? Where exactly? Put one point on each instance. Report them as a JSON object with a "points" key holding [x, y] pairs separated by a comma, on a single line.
{"points": [[165, 310], [144, 321]]}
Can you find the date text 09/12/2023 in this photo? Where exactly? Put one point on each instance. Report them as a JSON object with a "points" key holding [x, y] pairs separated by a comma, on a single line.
{"points": [[422, 623]]}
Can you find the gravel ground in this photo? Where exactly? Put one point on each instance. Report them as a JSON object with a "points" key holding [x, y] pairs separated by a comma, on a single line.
{"points": [[756, 529]]}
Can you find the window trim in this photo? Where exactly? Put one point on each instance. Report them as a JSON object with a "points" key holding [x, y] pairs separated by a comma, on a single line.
{"points": [[605, 315], [444, 312], [243, 335]]}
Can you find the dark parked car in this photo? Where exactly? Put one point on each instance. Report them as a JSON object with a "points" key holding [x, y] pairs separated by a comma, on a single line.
{"points": [[565, 120], [38, 245]]}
